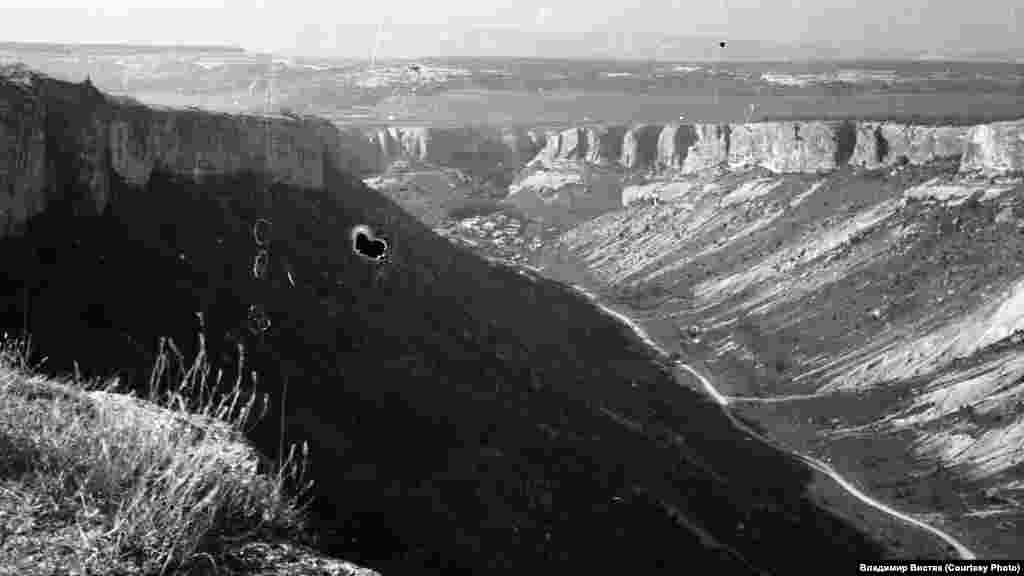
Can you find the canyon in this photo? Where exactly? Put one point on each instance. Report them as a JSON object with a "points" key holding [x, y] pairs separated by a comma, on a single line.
{"points": [[457, 419]]}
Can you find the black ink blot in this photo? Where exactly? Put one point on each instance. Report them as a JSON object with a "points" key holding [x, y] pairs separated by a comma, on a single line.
{"points": [[721, 44], [367, 245]]}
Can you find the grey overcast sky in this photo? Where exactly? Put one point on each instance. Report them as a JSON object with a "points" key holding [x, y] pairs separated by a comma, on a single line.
{"points": [[423, 27]]}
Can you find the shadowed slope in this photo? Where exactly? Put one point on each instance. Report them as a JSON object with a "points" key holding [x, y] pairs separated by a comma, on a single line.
{"points": [[450, 427]]}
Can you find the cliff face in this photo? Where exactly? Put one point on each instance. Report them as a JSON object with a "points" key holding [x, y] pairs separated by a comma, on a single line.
{"points": [[23, 169], [604, 144], [787, 147], [995, 148], [199, 143], [674, 143], [448, 146], [41, 126], [640, 146]]}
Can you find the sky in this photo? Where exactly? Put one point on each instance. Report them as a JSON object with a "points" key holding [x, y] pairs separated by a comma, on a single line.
{"points": [[430, 27]]}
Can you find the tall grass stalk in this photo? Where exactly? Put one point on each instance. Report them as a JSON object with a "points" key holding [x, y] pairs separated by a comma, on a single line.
{"points": [[170, 473]]}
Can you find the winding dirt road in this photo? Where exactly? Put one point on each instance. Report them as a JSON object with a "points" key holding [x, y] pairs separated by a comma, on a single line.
{"points": [[724, 401]]}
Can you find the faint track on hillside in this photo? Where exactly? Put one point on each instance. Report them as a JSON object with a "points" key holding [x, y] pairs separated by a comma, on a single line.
{"points": [[724, 401]]}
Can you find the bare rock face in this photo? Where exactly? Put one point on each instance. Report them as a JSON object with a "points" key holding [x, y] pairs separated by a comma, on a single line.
{"points": [[871, 150], [674, 144], [563, 146], [571, 145], [538, 139], [785, 146], [709, 149], [198, 143], [23, 170], [604, 144], [640, 146], [641, 194], [454, 147], [387, 146], [921, 144], [566, 195], [994, 148]]}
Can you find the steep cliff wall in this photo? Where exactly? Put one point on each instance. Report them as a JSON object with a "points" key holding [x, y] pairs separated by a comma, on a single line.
{"points": [[674, 144], [640, 146], [994, 148], [710, 149], [201, 143], [604, 144], [23, 169], [787, 147], [45, 123], [477, 149]]}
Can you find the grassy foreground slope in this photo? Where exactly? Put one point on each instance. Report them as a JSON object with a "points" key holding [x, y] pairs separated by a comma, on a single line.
{"points": [[100, 482]]}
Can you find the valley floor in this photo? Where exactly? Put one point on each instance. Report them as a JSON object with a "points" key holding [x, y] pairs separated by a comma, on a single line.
{"points": [[738, 329]]}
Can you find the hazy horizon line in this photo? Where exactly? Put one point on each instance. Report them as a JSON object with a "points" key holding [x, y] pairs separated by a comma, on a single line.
{"points": [[959, 56]]}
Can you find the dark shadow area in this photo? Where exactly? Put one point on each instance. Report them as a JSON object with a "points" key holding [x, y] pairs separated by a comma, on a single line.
{"points": [[611, 143], [846, 142], [685, 137], [646, 144], [881, 146]]}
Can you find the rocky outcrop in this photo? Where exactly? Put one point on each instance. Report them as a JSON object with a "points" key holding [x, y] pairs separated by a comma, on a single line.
{"points": [[566, 195], [640, 146], [710, 148], [23, 168], [788, 147], [675, 148], [568, 145], [674, 144], [994, 148], [785, 146], [922, 144], [45, 122], [477, 149], [200, 143], [604, 144]]}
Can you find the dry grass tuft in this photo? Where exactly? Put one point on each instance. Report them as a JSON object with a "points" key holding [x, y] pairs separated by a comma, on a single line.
{"points": [[95, 481]]}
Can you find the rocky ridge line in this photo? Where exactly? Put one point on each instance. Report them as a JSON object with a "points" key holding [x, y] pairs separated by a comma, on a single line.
{"points": [[133, 139]]}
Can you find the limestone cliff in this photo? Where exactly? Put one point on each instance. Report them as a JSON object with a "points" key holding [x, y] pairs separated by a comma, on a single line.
{"points": [[567, 145], [604, 144], [23, 169], [200, 143], [640, 146], [710, 148], [787, 147], [674, 143], [44, 122], [475, 149], [994, 148]]}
